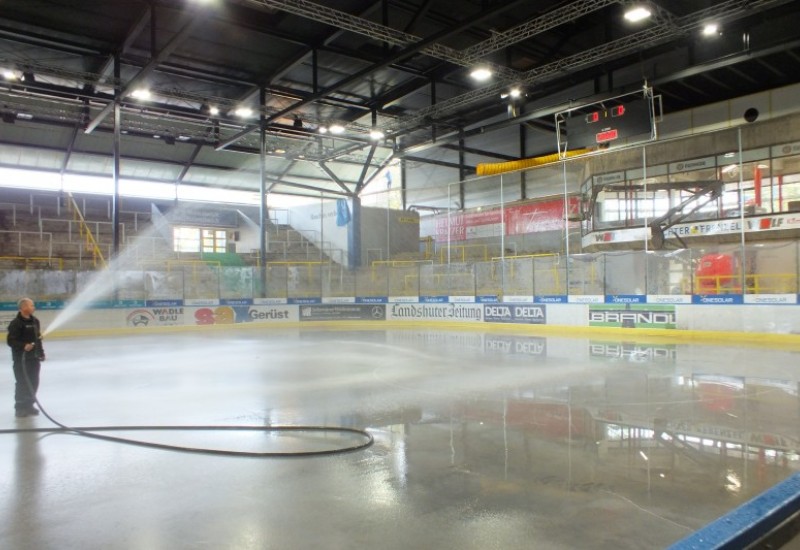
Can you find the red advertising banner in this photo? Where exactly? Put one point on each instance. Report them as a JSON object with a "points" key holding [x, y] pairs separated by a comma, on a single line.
{"points": [[520, 219]]}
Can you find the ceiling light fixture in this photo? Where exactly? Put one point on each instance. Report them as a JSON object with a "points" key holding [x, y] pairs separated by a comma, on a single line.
{"points": [[730, 168], [336, 129], [376, 134], [208, 110], [322, 129], [481, 74], [515, 93], [243, 112], [710, 29], [637, 13], [8, 74], [141, 94]]}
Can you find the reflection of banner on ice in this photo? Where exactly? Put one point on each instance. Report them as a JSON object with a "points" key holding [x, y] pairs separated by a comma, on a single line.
{"points": [[632, 316], [633, 352], [516, 345]]}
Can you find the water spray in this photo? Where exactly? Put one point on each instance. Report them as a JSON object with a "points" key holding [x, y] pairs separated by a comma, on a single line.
{"points": [[103, 284]]}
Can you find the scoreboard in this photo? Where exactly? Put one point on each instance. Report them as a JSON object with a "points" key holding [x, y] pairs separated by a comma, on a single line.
{"points": [[597, 124]]}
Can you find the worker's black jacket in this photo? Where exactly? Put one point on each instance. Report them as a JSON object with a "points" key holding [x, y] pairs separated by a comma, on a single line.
{"points": [[23, 331]]}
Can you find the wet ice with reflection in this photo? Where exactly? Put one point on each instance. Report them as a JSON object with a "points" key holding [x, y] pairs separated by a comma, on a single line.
{"points": [[479, 436]]}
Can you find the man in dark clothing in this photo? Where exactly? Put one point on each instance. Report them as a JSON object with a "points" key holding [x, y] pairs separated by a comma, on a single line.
{"points": [[24, 338]]}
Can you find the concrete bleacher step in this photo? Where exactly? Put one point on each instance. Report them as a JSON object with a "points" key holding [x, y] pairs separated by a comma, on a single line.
{"points": [[47, 229]]}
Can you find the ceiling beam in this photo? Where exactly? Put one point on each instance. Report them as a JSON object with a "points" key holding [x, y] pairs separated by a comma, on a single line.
{"points": [[312, 188], [418, 15], [132, 34], [479, 152], [335, 178], [729, 62], [47, 41], [360, 75], [194, 20], [628, 45], [360, 183], [68, 152], [454, 165], [377, 171]]}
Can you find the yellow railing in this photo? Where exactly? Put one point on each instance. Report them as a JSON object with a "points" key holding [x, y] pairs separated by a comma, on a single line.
{"points": [[458, 253], [765, 283], [580, 280], [310, 265], [90, 242], [194, 264], [772, 283], [428, 243], [551, 272], [172, 264], [449, 280], [394, 263], [512, 264]]}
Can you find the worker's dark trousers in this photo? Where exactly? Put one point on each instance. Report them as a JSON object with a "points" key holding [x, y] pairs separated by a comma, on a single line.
{"points": [[23, 398]]}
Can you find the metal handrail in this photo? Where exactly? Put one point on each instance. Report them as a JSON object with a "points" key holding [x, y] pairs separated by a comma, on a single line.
{"points": [[86, 232], [39, 234], [27, 260]]}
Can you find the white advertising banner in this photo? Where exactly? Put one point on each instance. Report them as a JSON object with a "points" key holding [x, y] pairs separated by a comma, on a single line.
{"points": [[434, 312], [775, 222]]}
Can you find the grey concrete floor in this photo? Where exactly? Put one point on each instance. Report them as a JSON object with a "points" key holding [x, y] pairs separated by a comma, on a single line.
{"points": [[482, 440]]}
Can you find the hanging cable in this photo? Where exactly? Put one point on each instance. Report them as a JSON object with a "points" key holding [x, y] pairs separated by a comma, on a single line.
{"points": [[91, 432]]}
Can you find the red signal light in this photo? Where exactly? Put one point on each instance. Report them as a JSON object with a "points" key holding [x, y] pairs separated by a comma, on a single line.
{"points": [[606, 135], [619, 110]]}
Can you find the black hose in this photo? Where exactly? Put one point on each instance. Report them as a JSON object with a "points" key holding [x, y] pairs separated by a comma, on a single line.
{"points": [[88, 431]]}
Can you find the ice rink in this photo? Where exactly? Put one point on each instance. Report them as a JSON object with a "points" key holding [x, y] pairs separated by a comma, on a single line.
{"points": [[484, 440]]}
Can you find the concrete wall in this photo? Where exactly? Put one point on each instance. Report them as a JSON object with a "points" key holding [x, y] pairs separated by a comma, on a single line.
{"points": [[397, 229], [381, 228]]}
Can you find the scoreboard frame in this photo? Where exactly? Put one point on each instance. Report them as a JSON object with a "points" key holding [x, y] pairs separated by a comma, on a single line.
{"points": [[625, 119]]}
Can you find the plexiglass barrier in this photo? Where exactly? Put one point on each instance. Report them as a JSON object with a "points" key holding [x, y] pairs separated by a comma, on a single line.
{"points": [[714, 213], [758, 269]]}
